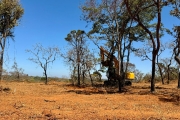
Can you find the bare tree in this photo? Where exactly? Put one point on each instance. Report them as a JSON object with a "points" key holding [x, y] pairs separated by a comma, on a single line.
{"points": [[89, 63], [139, 75], [167, 70], [161, 70], [43, 57], [17, 71]]}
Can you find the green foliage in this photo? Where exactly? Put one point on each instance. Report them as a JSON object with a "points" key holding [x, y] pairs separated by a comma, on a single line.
{"points": [[74, 35], [97, 73], [78, 57], [173, 73], [10, 13], [43, 78], [37, 78], [176, 8], [97, 76]]}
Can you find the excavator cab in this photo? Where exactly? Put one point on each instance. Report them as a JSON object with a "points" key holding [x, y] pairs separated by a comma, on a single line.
{"points": [[113, 69]]}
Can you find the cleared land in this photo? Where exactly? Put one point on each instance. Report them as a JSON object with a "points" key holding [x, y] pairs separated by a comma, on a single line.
{"points": [[59, 100]]}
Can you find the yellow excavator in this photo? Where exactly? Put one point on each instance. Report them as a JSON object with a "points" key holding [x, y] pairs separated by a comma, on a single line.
{"points": [[113, 73]]}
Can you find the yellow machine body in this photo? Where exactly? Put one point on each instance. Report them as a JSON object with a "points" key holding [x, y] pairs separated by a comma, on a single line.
{"points": [[130, 76]]}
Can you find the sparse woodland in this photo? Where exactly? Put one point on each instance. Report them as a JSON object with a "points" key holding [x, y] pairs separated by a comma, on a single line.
{"points": [[123, 28], [117, 25]]}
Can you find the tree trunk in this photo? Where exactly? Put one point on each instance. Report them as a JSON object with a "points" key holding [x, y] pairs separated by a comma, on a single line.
{"points": [[119, 58], [78, 75], [179, 80], [162, 78], [176, 57], [91, 78], [3, 43], [119, 84], [160, 70], [153, 72], [168, 76], [73, 77], [121, 79], [177, 52], [155, 47], [18, 76], [1, 64], [83, 75], [161, 74], [100, 78], [46, 81]]}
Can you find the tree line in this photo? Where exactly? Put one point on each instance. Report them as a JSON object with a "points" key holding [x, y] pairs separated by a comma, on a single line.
{"points": [[115, 24]]}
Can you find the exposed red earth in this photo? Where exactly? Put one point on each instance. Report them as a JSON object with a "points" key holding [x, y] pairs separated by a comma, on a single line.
{"points": [[60, 100]]}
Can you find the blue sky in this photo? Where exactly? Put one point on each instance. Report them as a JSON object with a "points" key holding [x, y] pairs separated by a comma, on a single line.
{"points": [[48, 22]]}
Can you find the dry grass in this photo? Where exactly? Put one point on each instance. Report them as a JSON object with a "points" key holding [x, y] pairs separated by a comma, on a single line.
{"points": [[60, 100]]}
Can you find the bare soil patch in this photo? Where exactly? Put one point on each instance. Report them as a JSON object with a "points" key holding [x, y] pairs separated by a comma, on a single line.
{"points": [[59, 100]]}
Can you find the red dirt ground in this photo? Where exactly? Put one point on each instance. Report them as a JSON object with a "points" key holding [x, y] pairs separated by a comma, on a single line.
{"points": [[58, 100]]}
